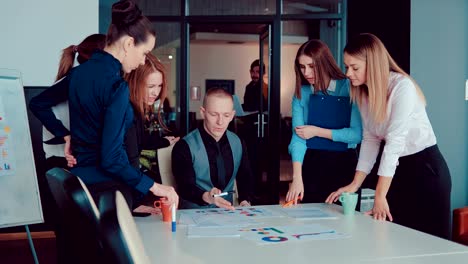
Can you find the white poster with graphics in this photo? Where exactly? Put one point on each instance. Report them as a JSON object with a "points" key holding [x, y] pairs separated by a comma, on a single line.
{"points": [[20, 202], [7, 156]]}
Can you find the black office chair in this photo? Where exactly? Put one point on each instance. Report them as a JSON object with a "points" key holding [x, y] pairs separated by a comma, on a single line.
{"points": [[120, 236], [77, 230]]}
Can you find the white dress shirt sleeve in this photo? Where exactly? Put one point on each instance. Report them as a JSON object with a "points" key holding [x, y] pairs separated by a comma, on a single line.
{"points": [[402, 101], [369, 150]]}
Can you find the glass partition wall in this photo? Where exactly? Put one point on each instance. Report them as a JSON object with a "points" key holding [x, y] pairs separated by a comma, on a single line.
{"points": [[206, 43]]}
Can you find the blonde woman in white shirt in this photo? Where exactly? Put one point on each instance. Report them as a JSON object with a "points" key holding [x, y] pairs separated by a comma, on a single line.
{"points": [[414, 183]]}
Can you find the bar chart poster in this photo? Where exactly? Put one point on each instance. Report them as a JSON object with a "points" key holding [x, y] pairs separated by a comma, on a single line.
{"points": [[7, 157]]}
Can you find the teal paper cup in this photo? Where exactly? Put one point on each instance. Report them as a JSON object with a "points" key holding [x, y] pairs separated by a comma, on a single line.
{"points": [[349, 202]]}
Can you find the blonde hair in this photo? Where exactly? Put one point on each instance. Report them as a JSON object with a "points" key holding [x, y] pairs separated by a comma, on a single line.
{"points": [[379, 64]]}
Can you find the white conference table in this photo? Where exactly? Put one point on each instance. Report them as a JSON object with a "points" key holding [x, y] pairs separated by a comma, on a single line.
{"points": [[370, 241], [447, 258]]}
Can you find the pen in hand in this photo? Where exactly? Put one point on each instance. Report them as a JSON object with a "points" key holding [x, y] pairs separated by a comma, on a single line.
{"points": [[222, 194], [292, 201]]}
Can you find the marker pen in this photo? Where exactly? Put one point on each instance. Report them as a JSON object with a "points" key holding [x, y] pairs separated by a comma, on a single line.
{"points": [[222, 194], [173, 218]]}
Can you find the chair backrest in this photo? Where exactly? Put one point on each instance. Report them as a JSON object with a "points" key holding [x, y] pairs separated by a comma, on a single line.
{"points": [[122, 241], [165, 166], [77, 226]]}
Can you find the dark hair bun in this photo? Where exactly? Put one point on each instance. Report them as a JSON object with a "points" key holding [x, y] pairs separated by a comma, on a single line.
{"points": [[125, 13]]}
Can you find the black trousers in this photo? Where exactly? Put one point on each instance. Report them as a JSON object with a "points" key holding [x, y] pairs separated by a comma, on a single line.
{"points": [[54, 161], [419, 196], [49, 207], [323, 172]]}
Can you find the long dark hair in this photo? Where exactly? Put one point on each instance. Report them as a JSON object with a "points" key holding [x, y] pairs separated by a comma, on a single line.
{"points": [[127, 19], [85, 49], [325, 66]]}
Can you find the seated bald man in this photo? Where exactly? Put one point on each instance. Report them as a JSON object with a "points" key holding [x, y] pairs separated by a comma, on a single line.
{"points": [[206, 162]]}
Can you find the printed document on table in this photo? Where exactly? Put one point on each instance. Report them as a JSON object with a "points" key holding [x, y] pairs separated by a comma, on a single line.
{"points": [[197, 232], [312, 213]]}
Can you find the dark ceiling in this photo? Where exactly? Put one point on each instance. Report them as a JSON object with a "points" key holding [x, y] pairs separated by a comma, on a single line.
{"points": [[236, 28]]}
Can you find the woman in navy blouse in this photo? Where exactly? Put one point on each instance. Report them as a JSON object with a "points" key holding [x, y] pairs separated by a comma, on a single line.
{"points": [[324, 137], [100, 108], [101, 112]]}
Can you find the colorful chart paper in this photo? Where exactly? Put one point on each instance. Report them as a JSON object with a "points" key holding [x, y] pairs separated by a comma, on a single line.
{"points": [[7, 157], [286, 234]]}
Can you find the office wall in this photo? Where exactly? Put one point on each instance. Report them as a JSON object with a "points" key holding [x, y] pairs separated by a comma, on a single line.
{"points": [[232, 61], [34, 33], [439, 63], [220, 61]]}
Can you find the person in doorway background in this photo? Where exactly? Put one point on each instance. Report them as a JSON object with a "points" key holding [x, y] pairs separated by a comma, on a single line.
{"points": [[255, 99], [257, 90]]}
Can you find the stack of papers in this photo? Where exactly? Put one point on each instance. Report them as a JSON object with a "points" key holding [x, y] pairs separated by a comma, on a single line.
{"points": [[241, 216], [308, 213], [197, 232], [244, 222], [218, 222]]}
